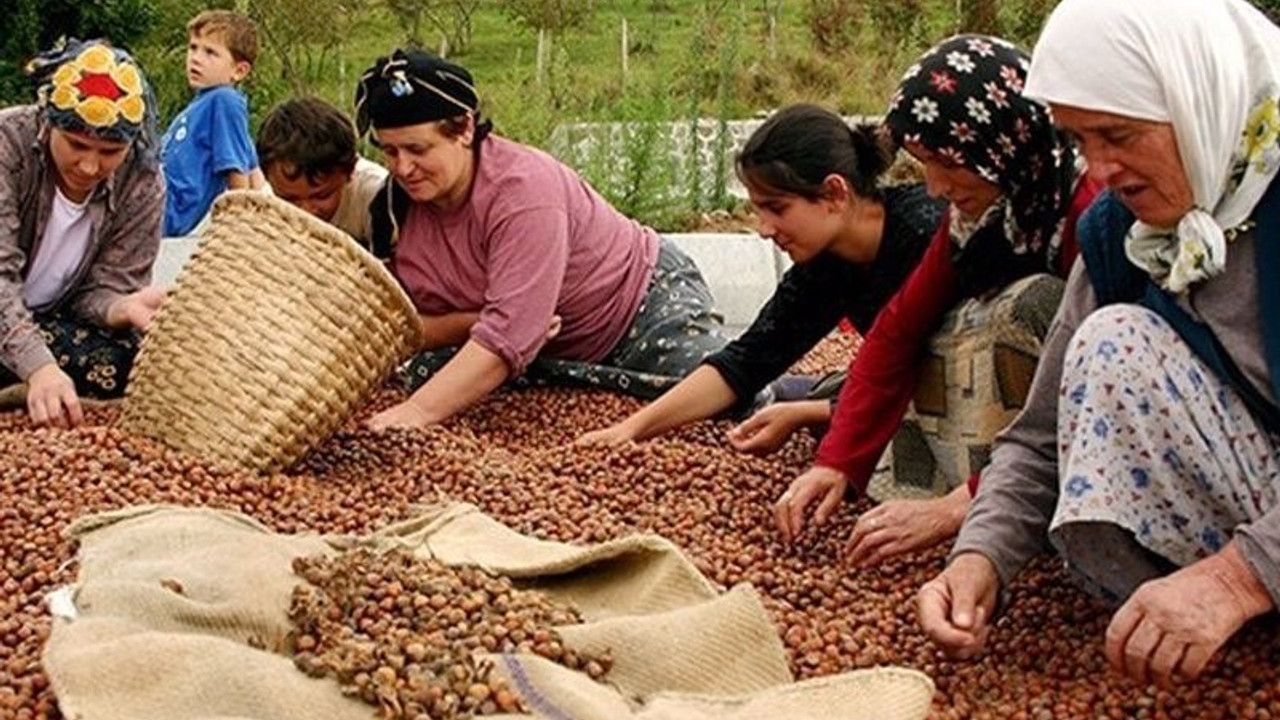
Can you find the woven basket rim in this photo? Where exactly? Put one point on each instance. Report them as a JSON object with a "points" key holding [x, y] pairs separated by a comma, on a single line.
{"points": [[326, 232]]}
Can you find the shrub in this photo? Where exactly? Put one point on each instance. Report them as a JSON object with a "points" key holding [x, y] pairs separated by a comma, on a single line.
{"points": [[552, 15], [35, 25]]}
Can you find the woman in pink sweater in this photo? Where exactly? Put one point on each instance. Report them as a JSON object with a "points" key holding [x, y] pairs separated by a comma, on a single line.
{"points": [[509, 256]]}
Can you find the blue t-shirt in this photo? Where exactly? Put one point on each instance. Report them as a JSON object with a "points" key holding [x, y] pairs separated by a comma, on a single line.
{"points": [[207, 140]]}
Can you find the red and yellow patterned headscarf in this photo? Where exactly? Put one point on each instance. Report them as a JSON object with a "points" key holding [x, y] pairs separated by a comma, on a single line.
{"points": [[92, 88]]}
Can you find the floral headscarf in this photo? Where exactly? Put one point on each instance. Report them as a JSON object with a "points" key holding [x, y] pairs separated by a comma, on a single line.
{"points": [[963, 101], [1211, 68], [94, 89]]}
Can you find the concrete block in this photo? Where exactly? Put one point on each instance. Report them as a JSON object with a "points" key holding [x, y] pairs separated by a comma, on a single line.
{"points": [[173, 255], [742, 270]]}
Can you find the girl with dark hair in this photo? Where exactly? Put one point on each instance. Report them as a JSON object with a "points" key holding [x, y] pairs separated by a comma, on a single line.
{"points": [[81, 201], [497, 242], [813, 181], [1014, 190]]}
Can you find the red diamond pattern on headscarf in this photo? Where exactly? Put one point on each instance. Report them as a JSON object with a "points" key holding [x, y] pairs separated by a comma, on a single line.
{"points": [[98, 85]]}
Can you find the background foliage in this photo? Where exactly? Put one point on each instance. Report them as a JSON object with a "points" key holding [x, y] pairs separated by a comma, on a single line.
{"points": [[541, 64]]}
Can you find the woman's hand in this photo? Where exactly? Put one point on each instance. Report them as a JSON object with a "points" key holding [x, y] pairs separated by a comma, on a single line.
{"points": [[956, 607], [612, 436], [404, 415], [900, 526], [1171, 627], [52, 399], [769, 428], [137, 309], [818, 483]]}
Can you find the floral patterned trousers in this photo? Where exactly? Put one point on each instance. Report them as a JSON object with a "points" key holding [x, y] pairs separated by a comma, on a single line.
{"points": [[1152, 441], [97, 359]]}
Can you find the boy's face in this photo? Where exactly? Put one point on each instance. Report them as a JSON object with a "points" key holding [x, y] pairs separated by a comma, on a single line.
{"points": [[320, 197], [209, 62]]}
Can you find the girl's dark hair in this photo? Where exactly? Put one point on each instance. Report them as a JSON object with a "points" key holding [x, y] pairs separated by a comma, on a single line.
{"points": [[800, 145]]}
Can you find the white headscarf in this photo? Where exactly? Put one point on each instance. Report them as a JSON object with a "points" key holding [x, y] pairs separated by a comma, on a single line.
{"points": [[1209, 67]]}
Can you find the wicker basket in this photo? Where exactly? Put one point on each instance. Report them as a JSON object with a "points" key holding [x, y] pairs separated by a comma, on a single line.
{"points": [[275, 331]]}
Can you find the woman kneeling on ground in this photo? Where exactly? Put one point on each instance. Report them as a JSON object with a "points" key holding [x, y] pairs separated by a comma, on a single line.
{"points": [[813, 183], [507, 253], [1149, 450], [81, 200], [1014, 189]]}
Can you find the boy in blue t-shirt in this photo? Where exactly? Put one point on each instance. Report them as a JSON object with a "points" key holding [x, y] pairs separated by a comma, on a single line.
{"points": [[207, 148]]}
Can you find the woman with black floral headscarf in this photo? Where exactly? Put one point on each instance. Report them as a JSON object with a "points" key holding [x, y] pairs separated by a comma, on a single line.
{"points": [[81, 198], [1014, 188]]}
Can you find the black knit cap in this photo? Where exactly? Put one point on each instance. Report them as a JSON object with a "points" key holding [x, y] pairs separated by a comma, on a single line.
{"points": [[412, 87]]}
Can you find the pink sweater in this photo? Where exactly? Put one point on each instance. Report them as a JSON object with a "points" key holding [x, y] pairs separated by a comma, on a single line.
{"points": [[534, 240]]}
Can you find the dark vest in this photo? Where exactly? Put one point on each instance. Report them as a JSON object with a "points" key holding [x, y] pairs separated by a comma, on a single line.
{"points": [[1101, 232]]}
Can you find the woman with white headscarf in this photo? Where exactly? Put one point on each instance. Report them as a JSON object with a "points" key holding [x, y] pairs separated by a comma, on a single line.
{"points": [[1149, 450]]}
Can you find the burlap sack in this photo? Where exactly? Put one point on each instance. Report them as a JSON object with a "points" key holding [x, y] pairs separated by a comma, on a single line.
{"points": [[171, 602], [974, 381]]}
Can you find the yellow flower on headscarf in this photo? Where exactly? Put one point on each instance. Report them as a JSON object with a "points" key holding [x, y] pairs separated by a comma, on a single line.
{"points": [[1262, 129], [132, 108], [96, 59], [126, 76], [68, 74], [64, 97], [98, 111]]}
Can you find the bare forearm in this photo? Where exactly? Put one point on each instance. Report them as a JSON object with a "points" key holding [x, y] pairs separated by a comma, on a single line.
{"points": [[701, 395], [237, 181], [117, 313], [448, 330], [1237, 576], [813, 412], [472, 374]]}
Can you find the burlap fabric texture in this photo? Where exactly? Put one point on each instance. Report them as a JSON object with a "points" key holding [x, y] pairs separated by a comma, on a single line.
{"points": [[137, 649], [276, 330], [975, 379]]}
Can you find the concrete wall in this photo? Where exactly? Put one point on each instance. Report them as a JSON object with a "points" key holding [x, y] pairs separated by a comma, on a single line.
{"points": [[742, 270]]}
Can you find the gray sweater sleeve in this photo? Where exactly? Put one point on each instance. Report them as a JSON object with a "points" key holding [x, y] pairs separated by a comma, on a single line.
{"points": [[1009, 519]]}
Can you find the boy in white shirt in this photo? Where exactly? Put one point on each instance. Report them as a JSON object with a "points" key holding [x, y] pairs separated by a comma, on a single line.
{"points": [[307, 149]]}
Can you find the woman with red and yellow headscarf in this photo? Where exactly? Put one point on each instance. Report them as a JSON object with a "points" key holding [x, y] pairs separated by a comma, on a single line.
{"points": [[81, 197]]}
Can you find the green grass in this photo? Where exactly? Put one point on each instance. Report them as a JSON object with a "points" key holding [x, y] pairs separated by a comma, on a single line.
{"points": [[687, 59], [676, 47]]}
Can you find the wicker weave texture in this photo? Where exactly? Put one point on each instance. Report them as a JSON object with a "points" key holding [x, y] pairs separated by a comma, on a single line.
{"points": [[275, 331]]}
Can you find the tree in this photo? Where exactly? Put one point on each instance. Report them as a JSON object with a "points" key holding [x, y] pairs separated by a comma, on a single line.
{"points": [[452, 18], [305, 36], [549, 15], [35, 25]]}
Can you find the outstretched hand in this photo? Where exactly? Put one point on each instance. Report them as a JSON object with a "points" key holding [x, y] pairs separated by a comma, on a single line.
{"points": [[52, 398], [404, 415], [900, 526], [766, 430], [956, 607], [823, 485], [612, 436], [1171, 627], [137, 309]]}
